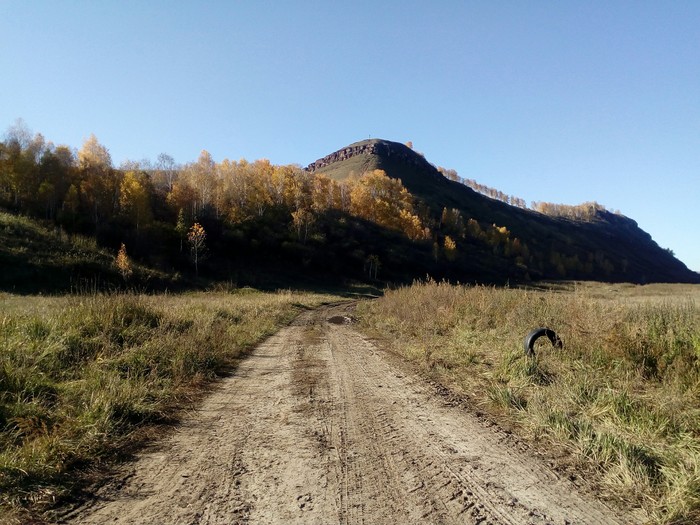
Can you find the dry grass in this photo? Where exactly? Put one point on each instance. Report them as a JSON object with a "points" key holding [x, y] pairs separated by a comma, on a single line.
{"points": [[622, 395], [82, 376]]}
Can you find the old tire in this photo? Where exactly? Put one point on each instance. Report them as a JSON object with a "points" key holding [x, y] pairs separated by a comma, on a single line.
{"points": [[529, 343]]}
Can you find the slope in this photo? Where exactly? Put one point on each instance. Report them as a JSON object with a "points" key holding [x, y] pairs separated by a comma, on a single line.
{"points": [[606, 247], [38, 259]]}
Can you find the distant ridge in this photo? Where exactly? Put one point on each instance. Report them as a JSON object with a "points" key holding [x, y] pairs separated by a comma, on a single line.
{"points": [[605, 246]]}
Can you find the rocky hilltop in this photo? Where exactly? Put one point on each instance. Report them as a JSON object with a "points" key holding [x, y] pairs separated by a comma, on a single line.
{"points": [[384, 149]]}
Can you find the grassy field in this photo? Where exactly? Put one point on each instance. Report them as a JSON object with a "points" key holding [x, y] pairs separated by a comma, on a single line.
{"points": [[622, 396], [87, 379]]}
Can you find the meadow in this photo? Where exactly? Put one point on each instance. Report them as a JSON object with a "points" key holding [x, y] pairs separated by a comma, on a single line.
{"points": [[619, 403], [87, 379]]}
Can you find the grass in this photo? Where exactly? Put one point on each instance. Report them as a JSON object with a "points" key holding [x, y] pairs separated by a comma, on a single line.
{"points": [[84, 378], [622, 395]]}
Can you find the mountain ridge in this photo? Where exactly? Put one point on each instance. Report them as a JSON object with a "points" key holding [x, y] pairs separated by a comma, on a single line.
{"points": [[611, 243]]}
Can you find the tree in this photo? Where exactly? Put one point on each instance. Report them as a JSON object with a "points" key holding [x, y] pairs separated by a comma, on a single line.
{"points": [[302, 221], [197, 239], [94, 155], [71, 204], [167, 169], [123, 263], [372, 265], [450, 248], [135, 198], [201, 178], [385, 201], [181, 227], [99, 188], [183, 197]]}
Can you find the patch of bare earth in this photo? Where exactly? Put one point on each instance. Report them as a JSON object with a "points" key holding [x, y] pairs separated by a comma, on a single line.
{"points": [[317, 426]]}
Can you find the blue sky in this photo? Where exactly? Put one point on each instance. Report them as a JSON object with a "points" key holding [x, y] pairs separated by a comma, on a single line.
{"points": [[556, 101]]}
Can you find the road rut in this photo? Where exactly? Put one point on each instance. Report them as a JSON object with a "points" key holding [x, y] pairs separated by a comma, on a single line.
{"points": [[317, 426]]}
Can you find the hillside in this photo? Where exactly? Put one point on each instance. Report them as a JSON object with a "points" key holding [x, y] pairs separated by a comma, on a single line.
{"points": [[37, 259], [606, 246]]}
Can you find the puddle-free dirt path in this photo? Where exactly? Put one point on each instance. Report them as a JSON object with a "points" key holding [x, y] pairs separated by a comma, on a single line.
{"points": [[318, 427]]}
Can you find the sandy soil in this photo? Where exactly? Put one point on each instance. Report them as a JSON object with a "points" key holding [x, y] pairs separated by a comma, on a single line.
{"points": [[317, 426]]}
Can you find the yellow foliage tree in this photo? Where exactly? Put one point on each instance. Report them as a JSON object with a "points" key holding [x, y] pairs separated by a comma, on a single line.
{"points": [[385, 201], [123, 263], [302, 220], [197, 238], [135, 198], [450, 247]]}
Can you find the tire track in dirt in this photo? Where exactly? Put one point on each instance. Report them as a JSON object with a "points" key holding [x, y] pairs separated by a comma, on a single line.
{"points": [[317, 426]]}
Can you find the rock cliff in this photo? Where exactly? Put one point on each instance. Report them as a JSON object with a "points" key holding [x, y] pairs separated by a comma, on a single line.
{"points": [[382, 148]]}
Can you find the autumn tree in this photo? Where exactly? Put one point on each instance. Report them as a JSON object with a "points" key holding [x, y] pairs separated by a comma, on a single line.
{"points": [[135, 198], [181, 227], [183, 197], [123, 263], [324, 194], [449, 174], [197, 239], [450, 247], [474, 230], [99, 187], [302, 221], [259, 189], [385, 201], [201, 177], [452, 223], [94, 155]]}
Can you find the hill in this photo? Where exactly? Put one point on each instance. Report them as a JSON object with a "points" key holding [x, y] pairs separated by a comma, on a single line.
{"points": [[38, 259], [603, 246]]}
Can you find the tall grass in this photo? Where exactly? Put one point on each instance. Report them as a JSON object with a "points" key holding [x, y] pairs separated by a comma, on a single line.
{"points": [[81, 377], [622, 395]]}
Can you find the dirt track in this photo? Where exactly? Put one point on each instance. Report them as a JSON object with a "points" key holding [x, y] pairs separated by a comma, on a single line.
{"points": [[317, 426]]}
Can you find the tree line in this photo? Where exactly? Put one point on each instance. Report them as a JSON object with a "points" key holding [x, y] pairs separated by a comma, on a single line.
{"points": [[586, 211]]}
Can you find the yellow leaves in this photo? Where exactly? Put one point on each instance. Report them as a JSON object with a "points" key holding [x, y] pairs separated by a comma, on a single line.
{"points": [[323, 193], [134, 197], [243, 190], [413, 228], [94, 155], [123, 263], [302, 220], [450, 247], [196, 236], [385, 201], [182, 196]]}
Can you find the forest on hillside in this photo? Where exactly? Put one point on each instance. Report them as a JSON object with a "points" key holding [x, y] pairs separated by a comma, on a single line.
{"points": [[232, 219], [151, 208]]}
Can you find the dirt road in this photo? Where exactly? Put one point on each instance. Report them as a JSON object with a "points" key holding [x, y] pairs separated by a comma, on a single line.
{"points": [[317, 426]]}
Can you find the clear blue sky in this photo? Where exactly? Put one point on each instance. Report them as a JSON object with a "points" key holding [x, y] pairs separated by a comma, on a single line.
{"points": [[548, 100]]}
